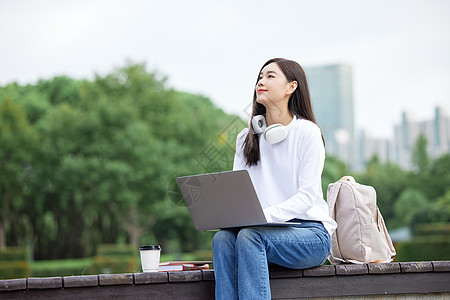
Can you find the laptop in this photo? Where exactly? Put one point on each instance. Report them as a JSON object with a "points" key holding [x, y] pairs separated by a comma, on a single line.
{"points": [[223, 200]]}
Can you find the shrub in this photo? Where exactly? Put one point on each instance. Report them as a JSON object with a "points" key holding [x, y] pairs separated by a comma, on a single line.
{"points": [[432, 229], [15, 253], [424, 248], [114, 264], [63, 267], [116, 250], [115, 259], [15, 263], [14, 269]]}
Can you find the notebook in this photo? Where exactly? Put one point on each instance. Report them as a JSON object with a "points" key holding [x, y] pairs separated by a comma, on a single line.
{"points": [[223, 200]]}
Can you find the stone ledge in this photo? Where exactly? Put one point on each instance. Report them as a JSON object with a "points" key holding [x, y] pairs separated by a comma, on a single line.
{"points": [[441, 266], [185, 276], [80, 281], [44, 283], [416, 267], [326, 270], [208, 275], [384, 268], [348, 269], [332, 280], [148, 278], [13, 284], [115, 279]]}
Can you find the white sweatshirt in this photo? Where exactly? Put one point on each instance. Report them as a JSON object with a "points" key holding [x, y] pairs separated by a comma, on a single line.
{"points": [[287, 179]]}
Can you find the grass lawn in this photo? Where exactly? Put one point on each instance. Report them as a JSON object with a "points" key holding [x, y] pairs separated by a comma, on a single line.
{"points": [[81, 266], [60, 267]]}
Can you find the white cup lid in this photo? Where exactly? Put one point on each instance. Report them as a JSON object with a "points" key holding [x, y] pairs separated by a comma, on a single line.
{"points": [[150, 247]]}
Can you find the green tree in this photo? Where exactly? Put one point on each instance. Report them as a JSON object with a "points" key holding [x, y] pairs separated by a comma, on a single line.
{"points": [[334, 169], [439, 177], [389, 181], [17, 138], [409, 202], [437, 212], [420, 157], [60, 89], [107, 149], [421, 163]]}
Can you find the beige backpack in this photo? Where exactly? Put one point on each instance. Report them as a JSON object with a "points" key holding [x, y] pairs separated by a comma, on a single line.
{"points": [[361, 235]]}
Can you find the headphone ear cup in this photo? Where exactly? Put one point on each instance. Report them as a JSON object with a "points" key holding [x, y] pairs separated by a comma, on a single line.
{"points": [[259, 124], [275, 133]]}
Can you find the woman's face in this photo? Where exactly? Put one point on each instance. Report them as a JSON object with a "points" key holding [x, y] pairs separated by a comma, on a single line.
{"points": [[272, 88]]}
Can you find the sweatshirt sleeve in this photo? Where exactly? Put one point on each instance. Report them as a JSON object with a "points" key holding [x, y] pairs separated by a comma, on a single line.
{"points": [[239, 159], [310, 163]]}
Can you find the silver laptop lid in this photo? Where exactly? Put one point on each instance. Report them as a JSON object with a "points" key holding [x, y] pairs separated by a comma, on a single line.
{"points": [[221, 200]]}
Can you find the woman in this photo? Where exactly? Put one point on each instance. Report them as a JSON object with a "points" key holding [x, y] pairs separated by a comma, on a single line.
{"points": [[285, 162]]}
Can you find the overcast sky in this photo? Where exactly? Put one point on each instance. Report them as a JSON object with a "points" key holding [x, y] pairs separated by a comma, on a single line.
{"points": [[399, 49]]}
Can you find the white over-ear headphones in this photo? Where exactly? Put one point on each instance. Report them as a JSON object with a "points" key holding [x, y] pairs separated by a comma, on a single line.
{"points": [[274, 133]]}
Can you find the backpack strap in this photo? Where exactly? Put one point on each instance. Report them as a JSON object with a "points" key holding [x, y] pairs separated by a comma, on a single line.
{"points": [[331, 200], [382, 228], [349, 178]]}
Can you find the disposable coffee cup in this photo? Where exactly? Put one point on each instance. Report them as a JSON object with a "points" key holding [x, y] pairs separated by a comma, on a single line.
{"points": [[150, 255]]}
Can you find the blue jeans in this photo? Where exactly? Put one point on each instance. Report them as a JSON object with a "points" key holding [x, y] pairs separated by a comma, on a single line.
{"points": [[241, 256]]}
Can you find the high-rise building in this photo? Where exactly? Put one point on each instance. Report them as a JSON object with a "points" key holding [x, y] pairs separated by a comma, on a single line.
{"points": [[436, 132], [331, 92], [332, 100]]}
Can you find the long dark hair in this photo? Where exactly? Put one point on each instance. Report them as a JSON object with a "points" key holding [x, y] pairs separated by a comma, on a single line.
{"points": [[299, 104]]}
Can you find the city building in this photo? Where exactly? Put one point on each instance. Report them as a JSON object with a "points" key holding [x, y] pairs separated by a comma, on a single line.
{"points": [[436, 132], [332, 99], [398, 150]]}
